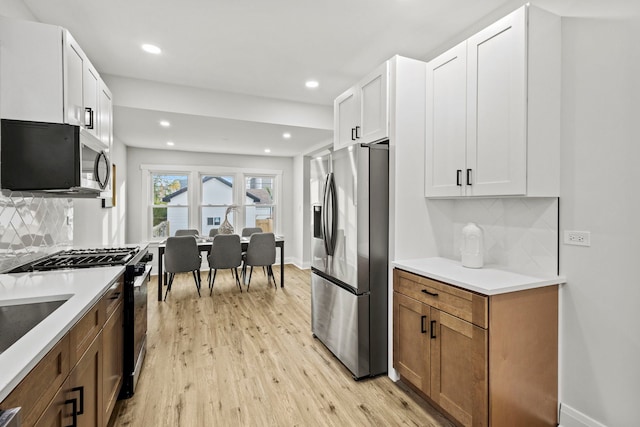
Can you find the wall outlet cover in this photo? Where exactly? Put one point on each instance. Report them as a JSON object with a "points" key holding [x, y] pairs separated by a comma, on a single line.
{"points": [[578, 238]]}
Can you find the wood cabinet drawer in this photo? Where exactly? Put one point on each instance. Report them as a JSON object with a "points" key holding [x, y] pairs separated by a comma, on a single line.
{"points": [[35, 392], [112, 297], [458, 302], [84, 332]]}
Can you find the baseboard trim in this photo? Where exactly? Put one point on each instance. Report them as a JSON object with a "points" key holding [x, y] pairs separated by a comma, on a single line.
{"points": [[570, 417]]}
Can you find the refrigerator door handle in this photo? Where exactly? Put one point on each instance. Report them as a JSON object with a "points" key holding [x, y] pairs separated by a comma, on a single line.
{"points": [[329, 224]]}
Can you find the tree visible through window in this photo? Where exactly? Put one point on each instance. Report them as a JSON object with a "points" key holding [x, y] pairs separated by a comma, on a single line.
{"points": [[170, 206]]}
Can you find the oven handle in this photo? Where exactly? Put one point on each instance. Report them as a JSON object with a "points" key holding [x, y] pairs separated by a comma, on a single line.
{"points": [[140, 280]]}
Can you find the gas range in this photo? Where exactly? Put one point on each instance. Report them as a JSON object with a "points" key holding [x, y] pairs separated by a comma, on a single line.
{"points": [[82, 258]]}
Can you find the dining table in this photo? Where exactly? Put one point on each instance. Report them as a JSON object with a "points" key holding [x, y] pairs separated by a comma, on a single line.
{"points": [[204, 245]]}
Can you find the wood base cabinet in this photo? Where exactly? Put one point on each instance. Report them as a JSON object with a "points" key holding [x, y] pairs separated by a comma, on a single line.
{"points": [[483, 360], [78, 381]]}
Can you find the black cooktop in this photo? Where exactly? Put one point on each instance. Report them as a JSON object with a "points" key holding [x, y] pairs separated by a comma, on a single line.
{"points": [[81, 258]]}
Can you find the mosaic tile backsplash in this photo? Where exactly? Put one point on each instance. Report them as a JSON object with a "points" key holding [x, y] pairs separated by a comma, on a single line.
{"points": [[520, 234], [32, 226]]}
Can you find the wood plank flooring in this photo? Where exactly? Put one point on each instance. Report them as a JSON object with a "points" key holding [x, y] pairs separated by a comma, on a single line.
{"points": [[249, 359]]}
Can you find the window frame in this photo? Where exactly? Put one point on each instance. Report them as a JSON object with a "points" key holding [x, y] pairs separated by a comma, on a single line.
{"points": [[195, 193]]}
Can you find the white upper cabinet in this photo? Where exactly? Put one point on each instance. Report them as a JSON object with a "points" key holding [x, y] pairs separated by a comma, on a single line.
{"points": [[446, 123], [493, 111], [361, 114], [46, 77], [105, 108]]}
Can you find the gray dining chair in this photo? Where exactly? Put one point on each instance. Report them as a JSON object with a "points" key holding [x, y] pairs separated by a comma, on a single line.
{"points": [[181, 255], [187, 232], [213, 232], [248, 231], [226, 252], [261, 252]]}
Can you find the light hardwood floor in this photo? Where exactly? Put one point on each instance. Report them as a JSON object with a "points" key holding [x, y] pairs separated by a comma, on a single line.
{"points": [[249, 359]]}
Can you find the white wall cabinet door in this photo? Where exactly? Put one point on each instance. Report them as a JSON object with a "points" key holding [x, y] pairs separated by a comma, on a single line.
{"points": [[374, 106], [74, 64], [346, 109], [361, 113], [497, 108], [446, 109], [91, 93], [105, 116]]}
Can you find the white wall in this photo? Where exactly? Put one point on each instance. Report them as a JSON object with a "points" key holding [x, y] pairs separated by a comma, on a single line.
{"points": [[16, 9], [600, 314], [97, 226]]}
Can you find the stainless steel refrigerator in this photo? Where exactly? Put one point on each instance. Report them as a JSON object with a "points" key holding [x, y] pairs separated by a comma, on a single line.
{"points": [[349, 286]]}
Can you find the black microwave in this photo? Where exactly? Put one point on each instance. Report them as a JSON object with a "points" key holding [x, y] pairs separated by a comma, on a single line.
{"points": [[52, 158]]}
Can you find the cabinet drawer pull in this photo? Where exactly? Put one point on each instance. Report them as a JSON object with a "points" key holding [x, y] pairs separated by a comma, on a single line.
{"points": [[353, 134], [74, 412], [468, 176], [115, 296], [424, 291], [423, 326], [81, 390], [357, 132], [433, 329], [458, 174]]}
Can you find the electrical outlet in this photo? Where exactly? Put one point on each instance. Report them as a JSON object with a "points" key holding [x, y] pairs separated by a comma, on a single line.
{"points": [[579, 238]]}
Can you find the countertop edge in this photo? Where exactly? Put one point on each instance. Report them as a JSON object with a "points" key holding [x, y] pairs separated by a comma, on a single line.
{"points": [[520, 282]]}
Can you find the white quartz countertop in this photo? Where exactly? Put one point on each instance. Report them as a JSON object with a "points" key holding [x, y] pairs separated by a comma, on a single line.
{"points": [[82, 288], [489, 280]]}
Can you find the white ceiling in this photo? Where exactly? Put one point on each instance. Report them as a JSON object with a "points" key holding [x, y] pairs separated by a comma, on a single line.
{"points": [[265, 49]]}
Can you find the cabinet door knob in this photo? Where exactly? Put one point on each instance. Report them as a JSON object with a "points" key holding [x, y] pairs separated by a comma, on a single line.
{"points": [[357, 132], [433, 329], [353, 134], [423, 326], [468, 176], [458, 174]]}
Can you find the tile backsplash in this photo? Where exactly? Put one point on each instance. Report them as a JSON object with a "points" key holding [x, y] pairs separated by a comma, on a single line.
{"points": [[520, 234], [32, 226]]}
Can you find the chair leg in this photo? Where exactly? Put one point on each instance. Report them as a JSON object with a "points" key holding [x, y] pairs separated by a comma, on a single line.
{"points": [[209, 278], [234, 273], [169, 282], [249, 282], [271, 276], [213, 282], [195, 277]]}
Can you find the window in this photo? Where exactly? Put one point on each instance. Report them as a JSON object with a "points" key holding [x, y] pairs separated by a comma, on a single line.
{"points": [[170, 203], [259, 202], [202, 197], [217, 197]]}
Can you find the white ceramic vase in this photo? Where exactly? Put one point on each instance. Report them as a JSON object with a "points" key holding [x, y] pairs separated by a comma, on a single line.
{"points": [[472, 247]]}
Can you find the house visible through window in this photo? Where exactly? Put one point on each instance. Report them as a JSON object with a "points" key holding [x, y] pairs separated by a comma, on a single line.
{"points": [[217, 197], [170, 204], [259, 202]]}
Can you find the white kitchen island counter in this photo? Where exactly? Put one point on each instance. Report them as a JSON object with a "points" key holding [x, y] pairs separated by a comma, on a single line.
{"points": [[489, 280], [82, 288]]}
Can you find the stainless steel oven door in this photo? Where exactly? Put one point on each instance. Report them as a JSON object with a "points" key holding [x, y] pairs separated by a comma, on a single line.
{"points": [[140, 321]]}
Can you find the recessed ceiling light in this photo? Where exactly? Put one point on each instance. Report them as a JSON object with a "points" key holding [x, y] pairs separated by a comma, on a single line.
{"points": [[164, 123], [170, 143], [312, 84], [286, 135], [267, 150], [150, 48]]}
